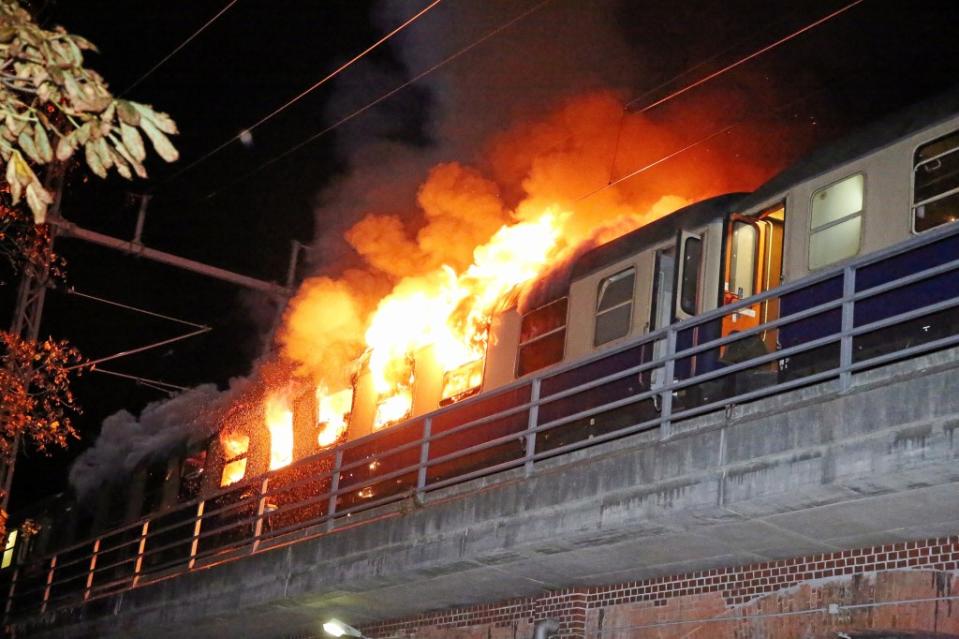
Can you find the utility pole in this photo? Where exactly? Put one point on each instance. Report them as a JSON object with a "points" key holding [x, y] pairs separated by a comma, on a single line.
{"points": [[27, 314], [33, 287]]}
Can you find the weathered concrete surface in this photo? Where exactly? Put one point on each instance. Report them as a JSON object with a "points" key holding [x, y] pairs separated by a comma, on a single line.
{"points": [[810, 471]]}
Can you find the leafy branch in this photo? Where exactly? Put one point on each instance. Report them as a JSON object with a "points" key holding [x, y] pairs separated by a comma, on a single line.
{"points": [[52, 107]]}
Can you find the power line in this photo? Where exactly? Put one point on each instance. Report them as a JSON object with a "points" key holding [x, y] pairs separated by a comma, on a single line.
{"points": [[74, 292], [303, 93], [177, 50], [383, 97], [741, 61], [155, 384], [699, 141], [140, 349]]}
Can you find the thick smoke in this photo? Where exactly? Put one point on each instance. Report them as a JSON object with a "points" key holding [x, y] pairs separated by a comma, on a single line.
{"points": [[126, 440]]}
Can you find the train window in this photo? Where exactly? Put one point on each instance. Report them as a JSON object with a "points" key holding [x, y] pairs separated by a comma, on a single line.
{"points": [[836, 221], [614, 306], [542, 337], [8, 550], [191, 472], [936, 183], [689, 286], [235, 448], [742, 260]]}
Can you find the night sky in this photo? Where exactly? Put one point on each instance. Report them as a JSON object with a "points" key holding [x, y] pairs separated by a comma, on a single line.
{"points": [[878, 57]]}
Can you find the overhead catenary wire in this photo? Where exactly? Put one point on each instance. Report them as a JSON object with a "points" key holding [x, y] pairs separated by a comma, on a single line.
{"points": [[695, 143], [316, 85], [72, 291], [177, 49], [140, 349], [744, 60], [155, 384], [489, 34]]}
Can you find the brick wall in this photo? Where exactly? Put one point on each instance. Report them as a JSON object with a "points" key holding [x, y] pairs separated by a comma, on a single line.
{"points": [[912, 585]]}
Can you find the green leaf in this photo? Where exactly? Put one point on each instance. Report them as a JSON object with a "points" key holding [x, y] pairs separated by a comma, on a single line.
{"points": [[162, 121], [15, 187], [75, 52], [128, 113], [161, 143], [74, 92], [93, 159], [83, 133], [122, 167], [25, 141], [42, 143], [83, 43], [66, 146], [133, 142], [106, 119], [38, 199], [125, 153], [103, 151]]}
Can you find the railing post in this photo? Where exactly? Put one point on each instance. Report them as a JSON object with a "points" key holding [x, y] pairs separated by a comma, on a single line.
{"points": [[10, 594], [260, 509], [197, 525], [49, 585], [334, 488], [91, 569], [424, 460], [531, 424], [666, 397], [138, 566], [848, 322]]}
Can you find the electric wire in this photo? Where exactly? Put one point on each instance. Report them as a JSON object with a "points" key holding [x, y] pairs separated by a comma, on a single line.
{"points": [[133, 351], [76, 293], [166, 387], [490, 34], [744, 60], [343, 67], [177, 49], [699, 141]]}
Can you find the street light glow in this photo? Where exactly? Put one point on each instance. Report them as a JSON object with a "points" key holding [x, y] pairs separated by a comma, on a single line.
{"points": [[337, 628]]}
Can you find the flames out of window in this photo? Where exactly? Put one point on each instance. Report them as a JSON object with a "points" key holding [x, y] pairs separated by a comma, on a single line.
{"points": [[235, 449]]}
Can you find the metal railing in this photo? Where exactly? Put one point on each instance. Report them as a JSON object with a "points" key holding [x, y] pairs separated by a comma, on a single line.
{"points": [[889, 305]]}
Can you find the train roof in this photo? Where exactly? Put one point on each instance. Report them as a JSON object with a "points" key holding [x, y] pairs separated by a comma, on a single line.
{"points": [[866, 140], [662, 230]]}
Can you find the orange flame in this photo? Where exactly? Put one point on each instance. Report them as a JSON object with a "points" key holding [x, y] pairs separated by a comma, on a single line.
{"points": [[234, 445], [332, 414], [452, 312], [279, 421]]}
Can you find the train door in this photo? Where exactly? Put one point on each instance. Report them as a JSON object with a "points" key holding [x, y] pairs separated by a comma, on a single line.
{"points": [[754, 256], [661, 308]]}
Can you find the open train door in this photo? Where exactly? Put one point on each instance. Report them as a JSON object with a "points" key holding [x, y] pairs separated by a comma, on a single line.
{"points": [[754, 257]]}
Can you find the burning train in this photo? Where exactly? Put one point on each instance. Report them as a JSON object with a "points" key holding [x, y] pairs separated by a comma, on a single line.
{"points": [[515, 358]]}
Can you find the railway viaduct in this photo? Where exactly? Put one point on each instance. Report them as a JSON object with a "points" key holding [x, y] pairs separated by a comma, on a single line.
{"points": [[813, 510]]}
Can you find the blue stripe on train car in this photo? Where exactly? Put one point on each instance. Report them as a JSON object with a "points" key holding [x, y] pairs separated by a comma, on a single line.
{"points": [[916, 295]]}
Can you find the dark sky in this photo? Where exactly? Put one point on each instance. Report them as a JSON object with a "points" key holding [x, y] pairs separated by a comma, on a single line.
{"points": [[879, 57]]}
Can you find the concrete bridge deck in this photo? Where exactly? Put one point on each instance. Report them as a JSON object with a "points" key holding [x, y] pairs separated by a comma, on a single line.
{"points": [[803, 472]]}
